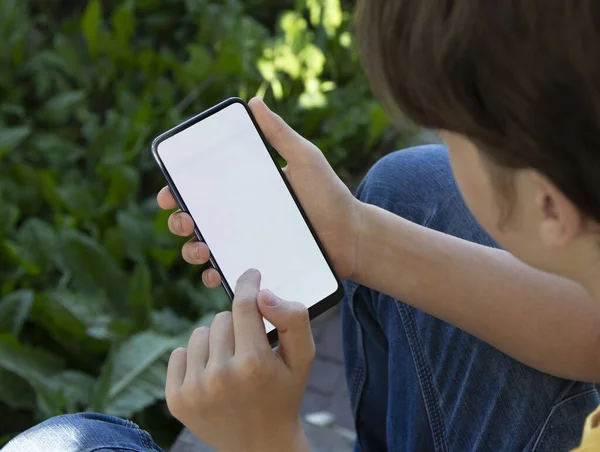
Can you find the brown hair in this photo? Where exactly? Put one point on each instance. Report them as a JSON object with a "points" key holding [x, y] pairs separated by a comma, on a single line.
{"points": [[520, 78]]}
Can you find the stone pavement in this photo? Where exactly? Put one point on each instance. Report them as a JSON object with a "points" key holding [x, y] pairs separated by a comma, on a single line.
{"points": [[326, 394], [326, 389]]}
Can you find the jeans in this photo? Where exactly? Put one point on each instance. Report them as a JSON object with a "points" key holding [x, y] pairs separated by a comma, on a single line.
{"points": [[84, 432], [415, 382]]}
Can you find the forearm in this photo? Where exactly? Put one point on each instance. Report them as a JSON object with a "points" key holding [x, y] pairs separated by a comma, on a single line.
{"points": [[542, 320]]}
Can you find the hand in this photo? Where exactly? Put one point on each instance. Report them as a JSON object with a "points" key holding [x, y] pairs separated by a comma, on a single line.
{"points": [[329, 205], [231, 389]]}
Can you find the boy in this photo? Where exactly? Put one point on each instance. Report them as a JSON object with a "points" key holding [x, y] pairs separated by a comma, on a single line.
{"points": [[490, 349]]}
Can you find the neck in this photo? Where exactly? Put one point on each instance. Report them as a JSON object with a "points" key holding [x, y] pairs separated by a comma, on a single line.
{"points": [[593, 287], [584, 268], [590, 280]]}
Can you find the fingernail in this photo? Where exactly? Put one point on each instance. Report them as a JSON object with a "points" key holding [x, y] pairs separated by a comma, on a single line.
{"points": [[179, 223], [271, 299], [198, 251]]}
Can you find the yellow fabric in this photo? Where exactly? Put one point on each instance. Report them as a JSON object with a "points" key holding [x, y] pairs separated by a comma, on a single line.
{"points": [[591, 434]]}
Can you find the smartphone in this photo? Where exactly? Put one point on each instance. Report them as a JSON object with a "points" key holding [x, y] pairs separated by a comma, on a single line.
{"points": [[223, 172]]}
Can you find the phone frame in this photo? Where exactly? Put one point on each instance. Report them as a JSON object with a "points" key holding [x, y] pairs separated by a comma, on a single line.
{"points": [[314, 310]]}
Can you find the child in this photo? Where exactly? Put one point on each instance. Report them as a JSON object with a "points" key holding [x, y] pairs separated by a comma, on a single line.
{"points": [[489, 349]]}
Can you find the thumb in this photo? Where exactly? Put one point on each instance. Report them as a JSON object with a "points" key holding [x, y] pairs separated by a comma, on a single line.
{"points": [[288, 143], [293, 327]]}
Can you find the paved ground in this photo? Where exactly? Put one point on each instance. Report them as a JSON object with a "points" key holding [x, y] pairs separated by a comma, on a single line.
{"points": [[326, 392]]}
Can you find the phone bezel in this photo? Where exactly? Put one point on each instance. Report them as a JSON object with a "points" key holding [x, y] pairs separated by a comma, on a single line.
{"points": [[314, 310]]}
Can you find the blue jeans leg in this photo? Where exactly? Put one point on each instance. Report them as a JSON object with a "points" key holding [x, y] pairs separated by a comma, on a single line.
{"points": [[419, 384], [84, 432]]}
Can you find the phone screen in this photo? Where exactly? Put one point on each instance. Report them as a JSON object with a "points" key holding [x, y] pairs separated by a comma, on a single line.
{"points": [[242, 208]]}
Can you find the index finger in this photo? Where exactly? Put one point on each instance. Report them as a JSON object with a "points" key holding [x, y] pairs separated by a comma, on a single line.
{"points": [[165, 199], [248, 326]]}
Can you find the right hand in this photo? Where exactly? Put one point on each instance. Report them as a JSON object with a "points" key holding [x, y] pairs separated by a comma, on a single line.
{"points": [[331, 208]]}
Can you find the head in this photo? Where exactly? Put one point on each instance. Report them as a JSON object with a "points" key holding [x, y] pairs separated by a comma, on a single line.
{"points": [[514, 89]]}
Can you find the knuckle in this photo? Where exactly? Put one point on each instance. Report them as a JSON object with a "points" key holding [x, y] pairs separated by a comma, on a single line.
{"points": [[178, 352], [193, 394], [251, 369], [216, 383], [244, 302], [178, 355], [276, 133], [307, 356], [222, 318], [175, 403], [300, 315], [200, 332]]}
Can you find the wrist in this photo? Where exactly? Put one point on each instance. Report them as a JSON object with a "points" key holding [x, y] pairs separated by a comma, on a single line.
{"points": [[360, 233], [294, 440], [289, 440]]}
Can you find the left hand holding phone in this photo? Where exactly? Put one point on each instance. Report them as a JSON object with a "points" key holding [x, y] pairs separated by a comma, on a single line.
{"points": [[231, 389]]}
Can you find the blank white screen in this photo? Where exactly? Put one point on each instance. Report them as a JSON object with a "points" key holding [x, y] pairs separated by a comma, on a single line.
{"points": [[245, 213]]}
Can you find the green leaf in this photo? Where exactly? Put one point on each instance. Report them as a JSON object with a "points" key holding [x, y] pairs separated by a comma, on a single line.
{"points": [[37, 243], [60, 107], [93, 269], [123, 185], [11, 137], [314, 61], [166, 321], [76, 389], [123, 22], [379, 122], [38, 368], [9, 214], [114, 242], [165, 257], [99, 395], [78, 199], [267, 70], [332, 17], [293, 25], [137, 374], [16, 255], [137, 232], [140, 295], [57, 150], [16, 392], [315, 8], [14, 309], [74, 320], [50, 401], [90, 26], [30, 363], [48, 189]]}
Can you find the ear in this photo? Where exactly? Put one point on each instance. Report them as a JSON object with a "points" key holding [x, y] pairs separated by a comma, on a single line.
{"points": [[561, 221]]}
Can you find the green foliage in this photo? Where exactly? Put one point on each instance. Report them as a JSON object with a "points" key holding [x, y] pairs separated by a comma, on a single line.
{"points": [[93, 293]]}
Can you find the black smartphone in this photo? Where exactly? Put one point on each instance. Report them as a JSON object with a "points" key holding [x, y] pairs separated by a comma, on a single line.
{"points": [[223, 172]]}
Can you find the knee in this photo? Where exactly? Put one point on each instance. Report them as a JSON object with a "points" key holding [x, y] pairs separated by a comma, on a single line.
{"points": [[84, 431], [410, 182]]}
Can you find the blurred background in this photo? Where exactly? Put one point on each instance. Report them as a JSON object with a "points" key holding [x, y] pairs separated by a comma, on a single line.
{"points": [[93, 291]]}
